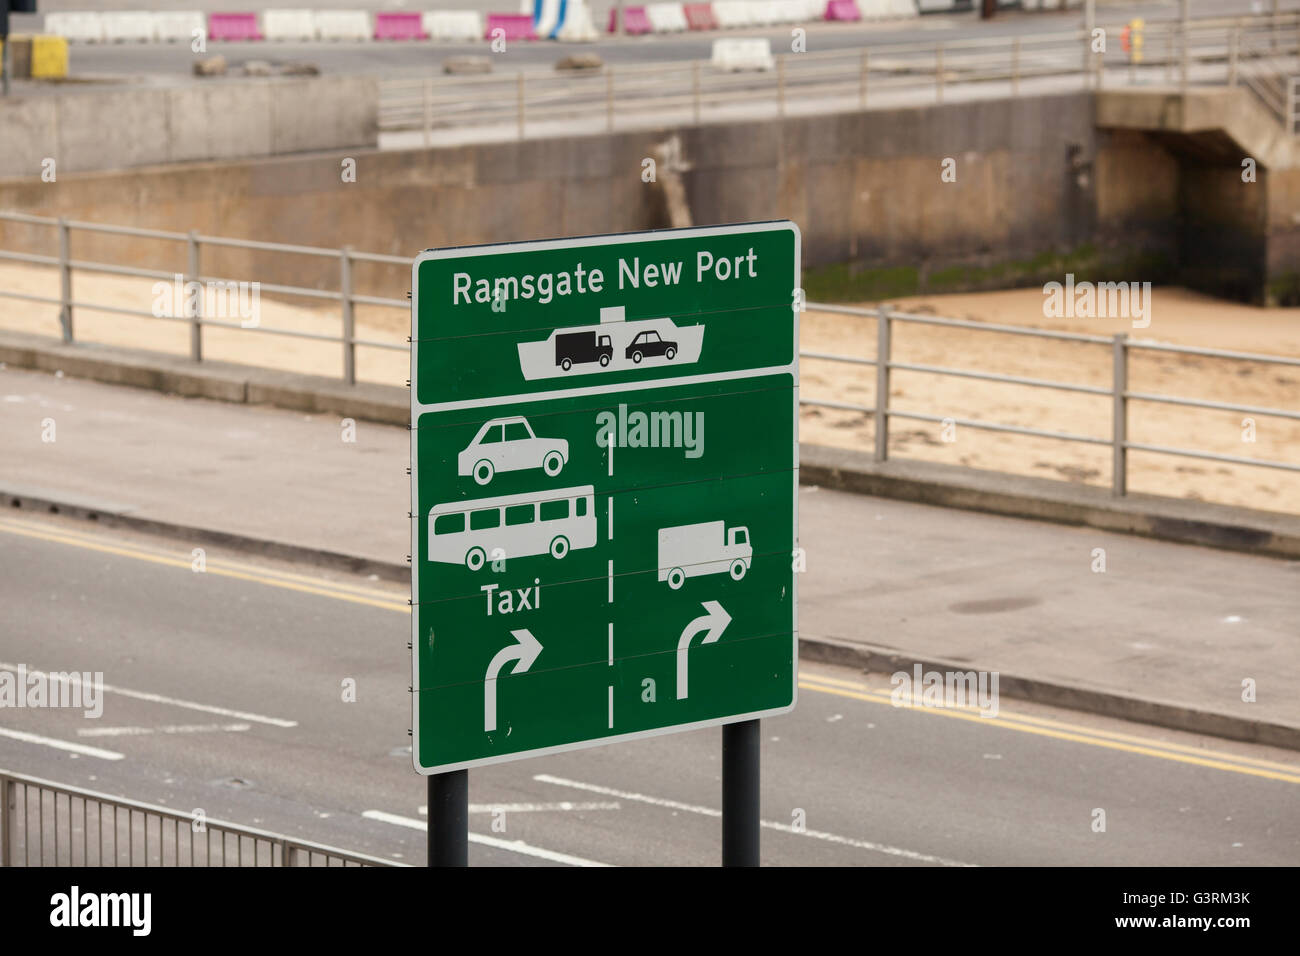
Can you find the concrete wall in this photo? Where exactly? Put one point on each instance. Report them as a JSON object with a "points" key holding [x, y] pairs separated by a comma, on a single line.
{"points": [[103, 128], [865, 188], [1039, 190]]}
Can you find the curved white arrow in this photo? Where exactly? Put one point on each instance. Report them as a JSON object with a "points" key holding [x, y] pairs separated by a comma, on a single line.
{"points": [[523, 653], [715, 622]]}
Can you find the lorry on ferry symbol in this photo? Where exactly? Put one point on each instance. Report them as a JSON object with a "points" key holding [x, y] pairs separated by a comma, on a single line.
{"points": [[575, 348], [691, 550], [613, 344]]}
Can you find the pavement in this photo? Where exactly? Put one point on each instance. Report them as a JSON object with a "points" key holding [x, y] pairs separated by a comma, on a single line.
{"points": [[223, 694], [1103, 621]]}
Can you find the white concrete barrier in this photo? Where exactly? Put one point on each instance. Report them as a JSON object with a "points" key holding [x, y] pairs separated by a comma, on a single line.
{"points": [[173, 26], [791, 11], [666, 17], [579, 25], [764, 13], [903, 8], [343, 24], [452, 24], [732, 13], [749, 53], [122, 26], [280, 24], [76, 26]]}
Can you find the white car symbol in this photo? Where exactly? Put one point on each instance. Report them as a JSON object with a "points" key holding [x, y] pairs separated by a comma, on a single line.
{"points": [[509, 444]]}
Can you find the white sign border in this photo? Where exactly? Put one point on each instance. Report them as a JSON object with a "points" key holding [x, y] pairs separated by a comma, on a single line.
{"points": [[417, 409]]}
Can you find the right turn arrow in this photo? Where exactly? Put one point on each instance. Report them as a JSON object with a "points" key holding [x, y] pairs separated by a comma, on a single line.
{"points": [[715, 622], [524, 653]]}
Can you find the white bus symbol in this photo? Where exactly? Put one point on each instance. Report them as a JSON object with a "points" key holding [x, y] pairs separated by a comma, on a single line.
{"points": [[516, 526]]}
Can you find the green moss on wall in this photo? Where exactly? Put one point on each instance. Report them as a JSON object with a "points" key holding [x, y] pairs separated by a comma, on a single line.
{"points": [[849, 282]]}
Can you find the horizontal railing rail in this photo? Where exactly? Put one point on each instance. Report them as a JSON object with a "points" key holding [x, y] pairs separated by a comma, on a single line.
{"points": [[883, 362], [1212, 50], [195, 242], [43, 823]]}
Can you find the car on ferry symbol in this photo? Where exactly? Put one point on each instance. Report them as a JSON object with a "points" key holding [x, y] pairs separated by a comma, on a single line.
{"points": [[649, 343], [510, 444]]}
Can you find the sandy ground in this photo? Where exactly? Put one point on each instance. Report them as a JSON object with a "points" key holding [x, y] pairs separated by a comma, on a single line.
{"points": [[1177, 317]]}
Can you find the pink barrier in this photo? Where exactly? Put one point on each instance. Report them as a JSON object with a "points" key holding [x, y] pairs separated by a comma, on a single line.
{"points": [[233, 26], [398, 26], [516, 26], [699, 16], [634, 20], [843, 10]]}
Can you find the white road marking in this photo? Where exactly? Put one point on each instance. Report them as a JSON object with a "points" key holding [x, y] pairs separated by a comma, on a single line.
{"points": [[177, 702], [535, 807], [782, 827], [514, 846], [61, 745], [164, 729]]}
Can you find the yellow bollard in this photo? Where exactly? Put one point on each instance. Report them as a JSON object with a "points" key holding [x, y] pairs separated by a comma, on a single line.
{"points": [[49, 58]]}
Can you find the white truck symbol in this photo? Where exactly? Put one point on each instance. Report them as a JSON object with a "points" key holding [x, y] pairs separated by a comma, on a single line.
{"points": [[689, 550]]}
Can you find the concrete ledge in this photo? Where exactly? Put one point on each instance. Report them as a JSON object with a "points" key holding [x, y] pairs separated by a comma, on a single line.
{"points": [[122, 516], [1152, 516], [1070, 696], [221, 381]]}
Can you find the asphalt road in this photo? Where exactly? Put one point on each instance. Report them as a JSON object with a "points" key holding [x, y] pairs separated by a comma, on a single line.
{"points": [[227, 697], [170, 61]]}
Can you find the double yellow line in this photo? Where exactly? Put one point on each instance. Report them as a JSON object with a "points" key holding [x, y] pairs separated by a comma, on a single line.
{"points": [[371, 597], [1043, 727], [817, 683]]}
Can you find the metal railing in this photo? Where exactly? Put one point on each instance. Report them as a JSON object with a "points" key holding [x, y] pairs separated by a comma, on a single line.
{"points": [[194, 243], [1118, 392], [1209, 51], [1120, 346], [1272, 78], [43, 823]]}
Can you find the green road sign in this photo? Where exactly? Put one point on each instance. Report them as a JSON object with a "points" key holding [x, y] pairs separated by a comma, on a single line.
{"points": [[604, 479]]}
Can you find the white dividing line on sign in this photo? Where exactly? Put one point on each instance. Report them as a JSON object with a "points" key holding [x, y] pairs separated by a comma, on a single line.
{"points": [[610, 519], [514, 846], [176, 702], [422, 408], [782, 827], [82, 749], [611, 580], [165, 729]]}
